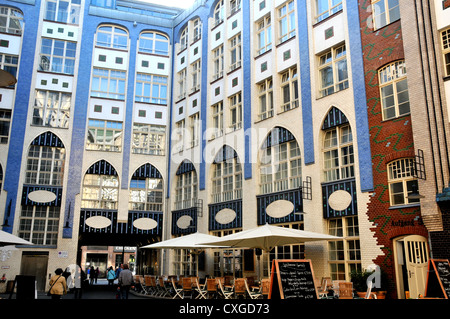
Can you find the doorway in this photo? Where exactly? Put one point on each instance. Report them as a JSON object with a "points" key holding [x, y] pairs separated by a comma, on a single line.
{"points": [[35, 264], [411, 261]]}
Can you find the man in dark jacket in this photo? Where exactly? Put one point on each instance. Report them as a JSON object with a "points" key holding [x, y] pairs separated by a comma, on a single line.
{"points": [[125, 281]]}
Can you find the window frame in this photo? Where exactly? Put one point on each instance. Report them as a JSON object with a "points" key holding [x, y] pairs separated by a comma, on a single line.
{"points": [[115, 130], [12, 16], [39, 227], [105, 188], [235, 48], [218, 62], [148, 139], [400, 172], [186, 191], [50, 49], [289, 19], [235, 109], [113, 81], [226, 180], [153, 38], [386, 12], [264, 30], [114, 35], [58, 110], [265, 91], [331, 60], [331, 9], [151, 83], [289, 89], [144, 197], [45, 170], [70, 18], [445, 41], [217, 119]]}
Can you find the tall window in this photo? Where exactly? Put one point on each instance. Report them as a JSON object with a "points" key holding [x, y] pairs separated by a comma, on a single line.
{"points": [[148, 139], [178, 135], [152, 42], [235, 52], [196, 75], [286, 19], [217, 119], [104, 136], [219, 13], [218, 62], [112, 37], [338, 154], [108, 84], [151, 88], [394, 90], [11, 20], [45, 165], [446, 50], [385, 12], [5, 123], [51, 109], [63, 11], [401, 181], [280, 167], [184, 38], [265, 95], [186, 190], [344, 256], [289, 89], [100, 191], [197, 30], [235, 6], [9, 63], [235, 111], [333, 71], [325, 8], [264, 35], [226, 181], [57, 56], [146, 194], [194, 129], [182, 83], [39, 224]]}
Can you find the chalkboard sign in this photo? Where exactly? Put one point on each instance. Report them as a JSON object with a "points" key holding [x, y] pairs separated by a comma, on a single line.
{"points": [[438, 281], [292, 279]]}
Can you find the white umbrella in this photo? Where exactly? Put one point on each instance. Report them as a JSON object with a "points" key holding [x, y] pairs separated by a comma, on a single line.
{"points": [[191, 241], [267, 237], [7, 239]]}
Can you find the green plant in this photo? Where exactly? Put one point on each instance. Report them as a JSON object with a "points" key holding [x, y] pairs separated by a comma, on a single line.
{"points": [[359, 279]]}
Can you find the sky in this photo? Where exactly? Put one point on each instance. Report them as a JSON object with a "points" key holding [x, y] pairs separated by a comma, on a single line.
{"points": [[173, 3]]}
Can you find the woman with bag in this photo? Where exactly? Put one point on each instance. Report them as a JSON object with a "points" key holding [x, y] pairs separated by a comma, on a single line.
{"points": [[58, 285], [111, 276]]}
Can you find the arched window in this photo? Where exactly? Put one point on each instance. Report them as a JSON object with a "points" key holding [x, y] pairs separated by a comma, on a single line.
{"points": [[11, 20], [184, 38], [226, 176], [153, 42], [112, 37], [146, 190], [219, 13], [45, 161], [186, 186], [280, 162], [197, 30], [100, 187], [394, 90], [401, 181]]}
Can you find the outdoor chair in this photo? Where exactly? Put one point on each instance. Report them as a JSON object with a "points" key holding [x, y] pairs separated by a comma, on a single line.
{"points": [[177, 290], [323, 288], [224, 293], [200, 289], [252, 293], [265, 287], [187, 286], [154, 289], [211, 287], [148, 289], [164, 291], [345, 290], [239, 287]]}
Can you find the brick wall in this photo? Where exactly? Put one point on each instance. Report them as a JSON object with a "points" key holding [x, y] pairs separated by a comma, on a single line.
{"points": [[446, 4], [390, 140]]}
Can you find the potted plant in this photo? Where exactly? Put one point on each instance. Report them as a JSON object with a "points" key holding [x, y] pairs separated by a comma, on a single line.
{"points": [[359, 280]]}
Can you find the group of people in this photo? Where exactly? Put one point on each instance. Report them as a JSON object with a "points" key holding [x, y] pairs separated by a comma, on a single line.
{"points": [[59, 281]]}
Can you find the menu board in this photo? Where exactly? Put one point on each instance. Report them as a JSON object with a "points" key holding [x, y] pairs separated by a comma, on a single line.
{"points": [[292, 279], [438, 281]]}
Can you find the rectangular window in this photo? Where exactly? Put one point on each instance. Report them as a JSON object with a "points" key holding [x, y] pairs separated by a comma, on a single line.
{"points": [[235, 52], [39, 224], [57, 56], [401, 181], [217, 119], [180, 126], [5, 123], [394, 90], [333, 74], [108, 84], [326, 8], [286, 21], [9, 64], [148, 139], [264, 35], [51, 109], [104, 136], [235, 112], [194, 128], [151, 88], [385, 12], [196, 76], [446, 50], [182, 84], [289, 89], [265, 90], [218, 63], [64, 11]]}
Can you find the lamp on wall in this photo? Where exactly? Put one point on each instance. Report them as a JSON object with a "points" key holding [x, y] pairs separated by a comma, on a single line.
{"points": [[68, 217], [414, 192]]}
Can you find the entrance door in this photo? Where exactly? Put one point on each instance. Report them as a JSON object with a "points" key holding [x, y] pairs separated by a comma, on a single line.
{"points": [[412, 265], [35, 264]]}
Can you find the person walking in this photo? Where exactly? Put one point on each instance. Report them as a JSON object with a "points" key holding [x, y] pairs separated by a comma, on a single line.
{"points": [[125, 281], [58, 285], [111, 276], [91, 275]]}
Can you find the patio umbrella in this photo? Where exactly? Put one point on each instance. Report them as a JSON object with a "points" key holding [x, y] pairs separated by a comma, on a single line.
{"points": [[267, 237], [7, 239], [191, 241]]}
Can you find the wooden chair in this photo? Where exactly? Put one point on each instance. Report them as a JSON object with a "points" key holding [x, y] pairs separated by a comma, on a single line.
{"points": [[252, 293], [177, 290], [211, 287], [265, 287], [345, 290], [239, 287], [323, 288], [187, 286], [200, 289], [224, 293]]}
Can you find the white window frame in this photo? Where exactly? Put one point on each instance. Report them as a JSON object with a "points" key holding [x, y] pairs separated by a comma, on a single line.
{"points": [[235, 107], [338, 154], [332, 61], [265, 99], [445, 37], [186, 190], [146, 194], [13, 20], [332, 6], [184, 39], [196, 73], [389, 15], [148, 139], [115, 86], [226, 181], [393, 80], [217, 119], [113, 34], [51, 108], [235, 52], [148, 43], [289, 89], [194, 129], [39, 224], [98, 142], [264, 35], [400, 181], [45, 165], [197, 30], [218, 62], [100, 191], [286, 20], [69, 14], [57, 56], [151, 88], [219, 13]]}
